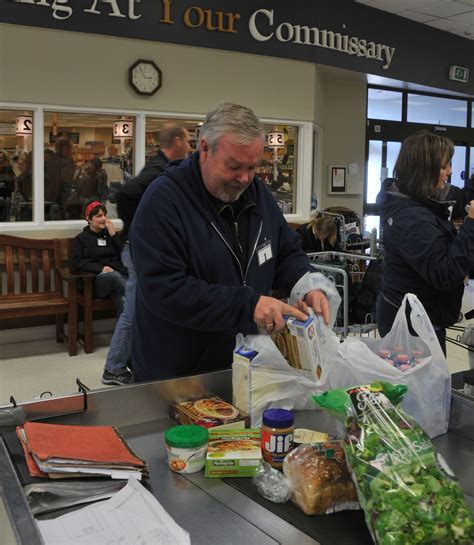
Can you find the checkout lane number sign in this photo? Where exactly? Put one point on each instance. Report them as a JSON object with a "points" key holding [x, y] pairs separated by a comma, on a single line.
{"points": [[24, 124], [123, 129]]}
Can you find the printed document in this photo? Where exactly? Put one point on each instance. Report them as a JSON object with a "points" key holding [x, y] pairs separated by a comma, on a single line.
{"points": [[132, 516]]}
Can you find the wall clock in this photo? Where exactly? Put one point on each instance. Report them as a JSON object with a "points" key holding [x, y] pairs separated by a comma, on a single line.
{"points": [[145, 77]]}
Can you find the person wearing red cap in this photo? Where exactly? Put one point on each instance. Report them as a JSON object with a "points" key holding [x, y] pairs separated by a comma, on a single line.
{"points": [[97, 250]]}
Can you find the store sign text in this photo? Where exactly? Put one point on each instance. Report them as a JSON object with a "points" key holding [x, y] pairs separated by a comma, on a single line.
{"points": [[262, 25]]}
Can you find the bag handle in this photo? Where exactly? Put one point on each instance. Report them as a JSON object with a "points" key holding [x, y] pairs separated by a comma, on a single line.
{"points": [[420, 323]]}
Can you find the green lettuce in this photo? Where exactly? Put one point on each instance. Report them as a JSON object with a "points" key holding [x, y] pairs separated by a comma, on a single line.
{"points": [[403, 485]]}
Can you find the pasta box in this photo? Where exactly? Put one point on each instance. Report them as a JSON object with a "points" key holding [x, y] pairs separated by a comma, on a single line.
{"points": [[209, 412], [233, 453]]}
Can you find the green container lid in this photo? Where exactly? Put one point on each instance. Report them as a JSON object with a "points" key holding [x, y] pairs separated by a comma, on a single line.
{"points": [[191, 436]]}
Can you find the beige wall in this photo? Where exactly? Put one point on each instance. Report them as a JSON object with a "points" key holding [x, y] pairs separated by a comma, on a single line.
{"points": [[343, 105], [92, 71]]}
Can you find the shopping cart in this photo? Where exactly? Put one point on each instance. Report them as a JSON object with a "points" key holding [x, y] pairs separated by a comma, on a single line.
{"points": [[344, 269]]}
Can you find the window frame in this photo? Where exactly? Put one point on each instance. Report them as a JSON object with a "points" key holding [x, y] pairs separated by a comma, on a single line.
{"points": [[304, 158]]}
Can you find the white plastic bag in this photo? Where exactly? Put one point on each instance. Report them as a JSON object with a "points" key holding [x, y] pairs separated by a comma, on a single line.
{"points": [[268, 381], [429, 381]]}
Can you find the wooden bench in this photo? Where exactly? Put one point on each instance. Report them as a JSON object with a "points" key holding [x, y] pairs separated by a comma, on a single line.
{"points": [[88, 303], [32, 284]]}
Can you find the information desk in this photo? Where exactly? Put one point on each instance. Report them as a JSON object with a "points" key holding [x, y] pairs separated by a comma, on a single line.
{"points": [[213, 511]]}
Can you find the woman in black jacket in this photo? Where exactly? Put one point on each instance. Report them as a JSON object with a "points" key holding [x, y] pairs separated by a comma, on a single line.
{"points": [[422, 252], [97, 250], [319, 235]]}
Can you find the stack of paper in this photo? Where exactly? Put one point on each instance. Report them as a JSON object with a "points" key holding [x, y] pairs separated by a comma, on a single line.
{"points": [[59, 451], [133, 516]]}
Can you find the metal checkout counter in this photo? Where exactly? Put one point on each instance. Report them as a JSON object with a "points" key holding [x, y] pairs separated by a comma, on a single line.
{"points": [[213, 511]]}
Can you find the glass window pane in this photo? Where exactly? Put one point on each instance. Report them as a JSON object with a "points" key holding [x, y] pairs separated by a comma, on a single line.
{"points": [[458, 165], [278, 166], [153, 126], [471, 160], [382, 104], [392, 153], [472, 115], [84, 159], [374, 169], [16, 161], [437, 110], [369, 223]]}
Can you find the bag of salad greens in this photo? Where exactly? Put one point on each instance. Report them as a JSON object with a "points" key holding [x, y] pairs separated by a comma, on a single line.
{"points": [[405, 488]]}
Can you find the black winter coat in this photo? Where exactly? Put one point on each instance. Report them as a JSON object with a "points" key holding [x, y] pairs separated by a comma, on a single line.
{"points": [[310, 243], [423, 255], [193, 296], [90, 255], [129, 195]]}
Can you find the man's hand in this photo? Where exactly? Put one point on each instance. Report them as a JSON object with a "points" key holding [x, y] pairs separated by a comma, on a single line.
{"points": [[317, 300], [269, 313], [106, 268]]}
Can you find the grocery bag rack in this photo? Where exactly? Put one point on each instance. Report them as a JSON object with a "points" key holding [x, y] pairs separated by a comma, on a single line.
{"points": [[333, 265]]}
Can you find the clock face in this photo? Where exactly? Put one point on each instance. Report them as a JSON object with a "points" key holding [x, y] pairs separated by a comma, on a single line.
{"points": [[145, 77]]}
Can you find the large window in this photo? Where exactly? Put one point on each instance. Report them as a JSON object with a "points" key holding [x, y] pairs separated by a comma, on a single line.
{"points": [[54, 161], [16, 172], [86, 157], [437, 110], [384, 104]]}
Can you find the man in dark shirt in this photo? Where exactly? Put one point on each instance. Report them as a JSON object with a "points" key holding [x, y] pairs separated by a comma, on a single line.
{"points": [[174, 146]]}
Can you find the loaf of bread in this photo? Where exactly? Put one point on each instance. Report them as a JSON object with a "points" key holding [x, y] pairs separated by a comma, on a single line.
{"points": [[319, 478]]}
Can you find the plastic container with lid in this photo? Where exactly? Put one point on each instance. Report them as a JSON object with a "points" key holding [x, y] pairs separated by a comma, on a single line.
{"points": [[277, 435], [186, 446]]}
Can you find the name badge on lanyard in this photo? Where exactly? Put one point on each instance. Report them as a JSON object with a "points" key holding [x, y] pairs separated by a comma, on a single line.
{"points": [[264, 253], [101, 242]]}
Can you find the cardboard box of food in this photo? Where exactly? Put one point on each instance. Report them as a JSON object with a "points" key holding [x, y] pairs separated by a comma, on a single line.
{"points": [[233, 453], [209, 413], [303, 345]]}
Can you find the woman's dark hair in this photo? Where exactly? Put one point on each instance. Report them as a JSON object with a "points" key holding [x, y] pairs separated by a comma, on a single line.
{"points": [[89, 212], [419, 162]]}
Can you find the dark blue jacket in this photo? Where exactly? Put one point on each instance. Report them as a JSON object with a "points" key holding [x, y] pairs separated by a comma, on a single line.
{"points": [[422, 255], [192, 296]]}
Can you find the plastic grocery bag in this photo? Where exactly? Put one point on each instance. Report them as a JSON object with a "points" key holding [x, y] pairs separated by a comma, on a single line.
{"points": [[406, 489], [262, 379], [401, 358]]}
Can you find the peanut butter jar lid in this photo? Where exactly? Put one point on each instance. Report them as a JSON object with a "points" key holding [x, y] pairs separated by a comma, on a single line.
{"points": [[277, 418], [188, 436]]}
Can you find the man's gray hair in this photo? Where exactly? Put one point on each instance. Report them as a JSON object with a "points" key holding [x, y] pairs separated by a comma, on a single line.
{"points": [[228, 118]]}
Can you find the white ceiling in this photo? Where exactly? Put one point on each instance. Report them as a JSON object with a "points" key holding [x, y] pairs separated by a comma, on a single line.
{"points": [[456, 16]]}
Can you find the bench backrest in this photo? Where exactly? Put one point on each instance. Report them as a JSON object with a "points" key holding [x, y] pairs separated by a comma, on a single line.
{"points": [[29, 265]]}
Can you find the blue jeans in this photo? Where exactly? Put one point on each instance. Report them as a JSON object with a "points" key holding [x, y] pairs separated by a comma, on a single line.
{"points": [[110, 284], [119, 355]]}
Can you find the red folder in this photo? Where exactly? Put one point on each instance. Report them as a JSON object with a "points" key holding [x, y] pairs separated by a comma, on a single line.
{"points": [[99, 444]]}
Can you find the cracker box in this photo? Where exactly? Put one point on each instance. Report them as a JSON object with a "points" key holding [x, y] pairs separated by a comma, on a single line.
{"points": [[233, 453], [209, 412], [304, 350]]}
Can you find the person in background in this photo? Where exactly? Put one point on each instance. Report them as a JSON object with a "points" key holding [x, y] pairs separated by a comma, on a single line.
{"points": [[23, 196], [7, 185], [319, 235], [93, 181], [59, 172], [422, 252], [174, 141], [97, 250], [209, 243]]}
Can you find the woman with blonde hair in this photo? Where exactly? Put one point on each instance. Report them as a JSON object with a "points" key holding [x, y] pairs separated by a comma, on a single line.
{"points": [[319, 235]]}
